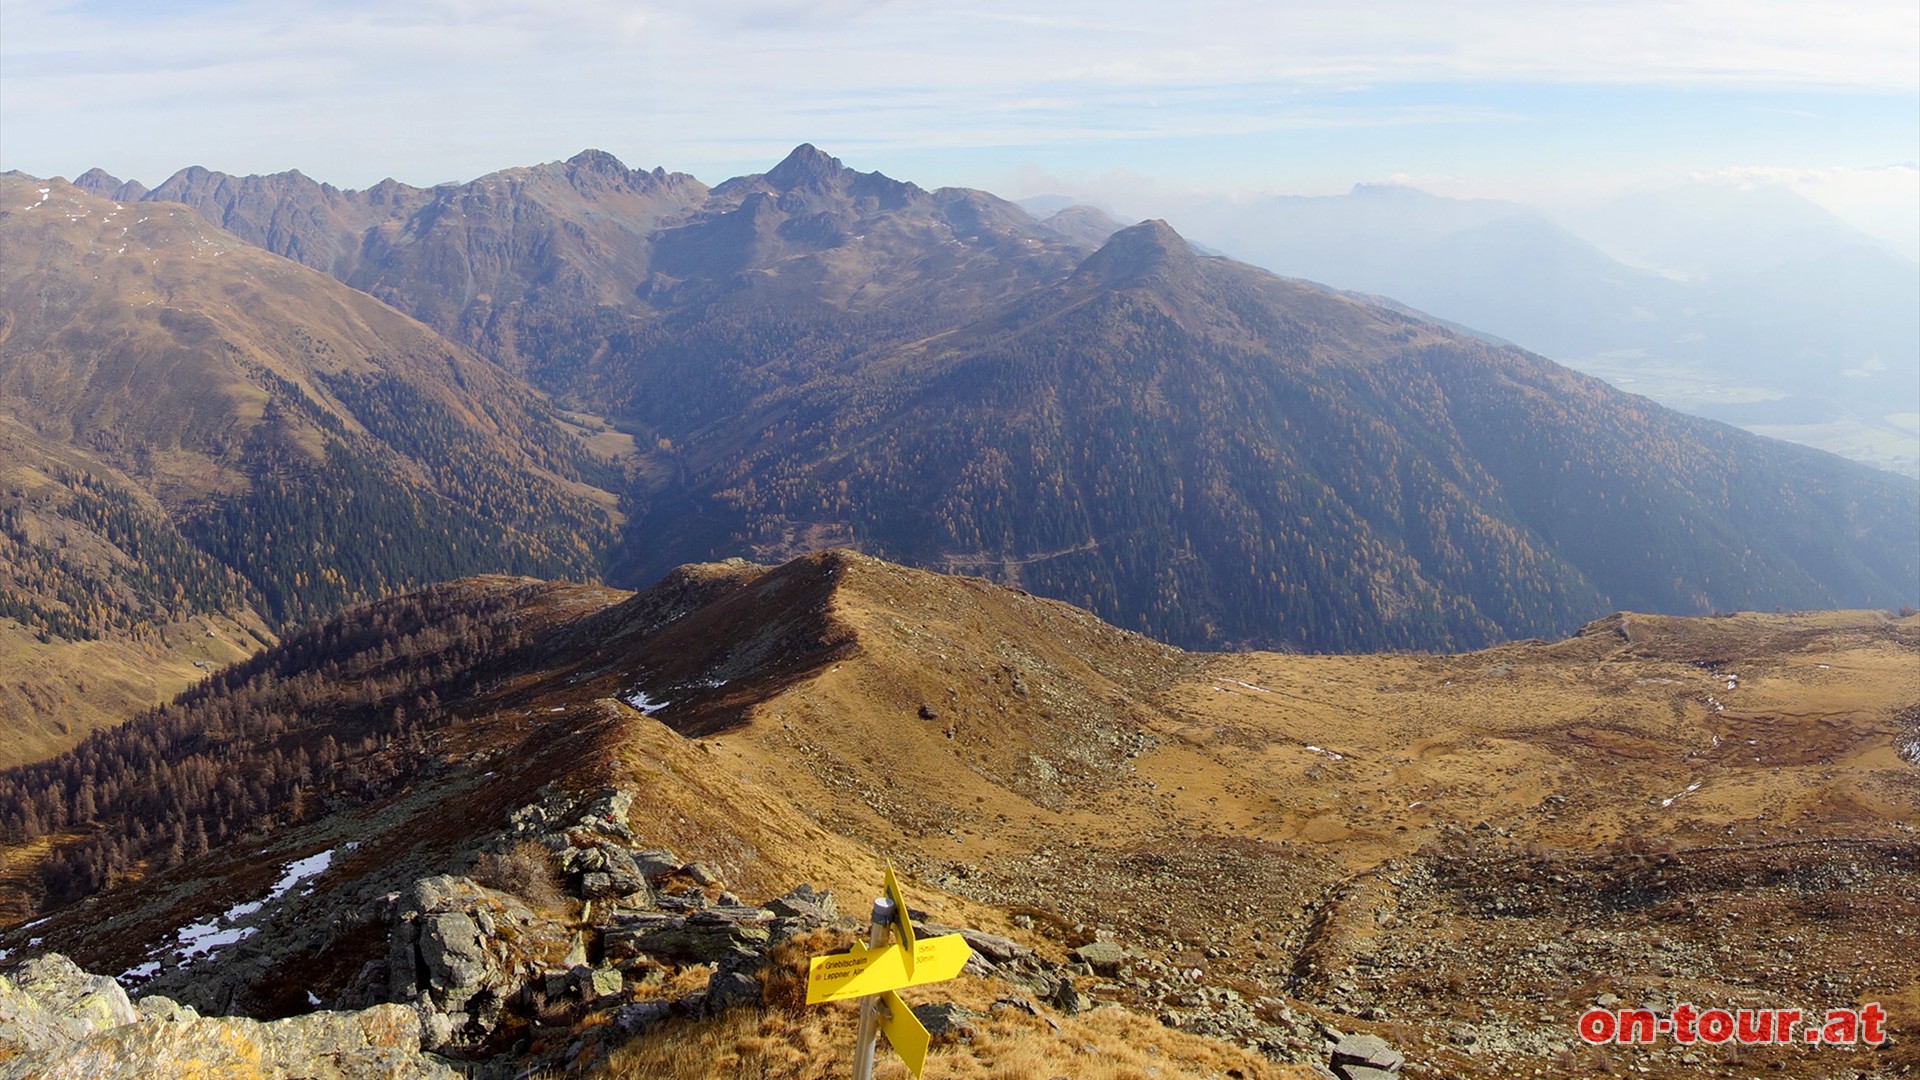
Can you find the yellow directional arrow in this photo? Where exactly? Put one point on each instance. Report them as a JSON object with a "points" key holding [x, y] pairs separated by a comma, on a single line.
{"points": [[905, 1033], [902, 922], [862, 972]]}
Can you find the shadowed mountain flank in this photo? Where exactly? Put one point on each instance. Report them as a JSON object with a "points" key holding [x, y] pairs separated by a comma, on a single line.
{"points": [[1189, 446]]}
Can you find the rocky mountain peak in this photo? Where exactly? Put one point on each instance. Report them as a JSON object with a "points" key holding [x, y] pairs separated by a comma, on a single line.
{"points": [[1149, 251], [807, 164], [98, 181], [598, 161]]}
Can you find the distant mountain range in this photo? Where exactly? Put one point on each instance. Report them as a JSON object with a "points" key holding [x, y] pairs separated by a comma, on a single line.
{"points": [[1187, 445], [1749, 305]]}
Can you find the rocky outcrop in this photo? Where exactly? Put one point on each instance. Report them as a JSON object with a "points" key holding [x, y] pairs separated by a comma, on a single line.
{"points": [[460, 951], [57, 1022], [48, 1002], [565, 945]]}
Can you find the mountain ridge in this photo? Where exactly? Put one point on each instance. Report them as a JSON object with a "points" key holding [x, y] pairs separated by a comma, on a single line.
{"points": [[794, 355], [211, 435], [1049, 782]]}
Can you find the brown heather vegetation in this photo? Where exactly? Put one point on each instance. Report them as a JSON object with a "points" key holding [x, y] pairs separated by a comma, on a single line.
{"points": [[1433, 848], [526, 870], [340, 714]]}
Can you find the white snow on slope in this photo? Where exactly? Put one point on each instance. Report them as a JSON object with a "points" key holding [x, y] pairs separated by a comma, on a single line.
{"points": [[229, 927]]}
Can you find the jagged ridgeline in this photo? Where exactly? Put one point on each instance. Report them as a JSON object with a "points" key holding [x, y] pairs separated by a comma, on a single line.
{"points": [[218, 411], [1188, 446]]}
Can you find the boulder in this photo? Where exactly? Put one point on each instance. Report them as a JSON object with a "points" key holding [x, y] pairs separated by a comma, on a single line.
{"points": [[1366, 1057], [1104, 957], [640, 1016], [50, 1002], [993, 947], [602, 982], [807, 904], [727, 989], [656, 863], [1068, 998], [945, 1021], [705, 937], [96, 1034], [461, 950]]}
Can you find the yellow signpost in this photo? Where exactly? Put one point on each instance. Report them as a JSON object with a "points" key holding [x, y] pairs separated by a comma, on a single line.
{"points": [[904, 1032], [902, 918], [862, 972], [874, 971]]}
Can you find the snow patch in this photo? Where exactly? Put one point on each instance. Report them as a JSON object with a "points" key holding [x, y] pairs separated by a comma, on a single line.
{"points": [[1691, 788], [647, 706], [227, 928], [300, 870]]}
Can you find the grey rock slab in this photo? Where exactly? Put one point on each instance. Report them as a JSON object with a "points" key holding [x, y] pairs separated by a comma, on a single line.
{"points": [[603, 982], [727, 989], [945, 1020], [1104, 957], [641, 1015], [656, 862], [1367, 1050], [806, 902]]}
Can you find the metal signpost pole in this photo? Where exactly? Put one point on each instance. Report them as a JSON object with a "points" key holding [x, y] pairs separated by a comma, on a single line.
{"points": [[882, 921]]}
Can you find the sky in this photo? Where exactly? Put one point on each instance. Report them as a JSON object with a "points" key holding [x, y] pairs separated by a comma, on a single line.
{"points": [[1544, 101]]}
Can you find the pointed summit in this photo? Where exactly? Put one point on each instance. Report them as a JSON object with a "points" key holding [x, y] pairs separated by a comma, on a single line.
{"points": [[807, 164], [97, 181], [1148, 252], [598, 161]]}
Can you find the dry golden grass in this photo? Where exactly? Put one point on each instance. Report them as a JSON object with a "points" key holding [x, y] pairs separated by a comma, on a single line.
{"points": [[781, 1042], [526, 870], [52, 694], [790, 1040]]}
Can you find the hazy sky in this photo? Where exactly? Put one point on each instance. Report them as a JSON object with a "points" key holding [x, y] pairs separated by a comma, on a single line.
{"points": [[1533, 99]]}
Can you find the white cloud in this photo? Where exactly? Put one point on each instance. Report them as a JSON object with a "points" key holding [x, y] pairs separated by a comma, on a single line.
{"points": [[443, 88]]}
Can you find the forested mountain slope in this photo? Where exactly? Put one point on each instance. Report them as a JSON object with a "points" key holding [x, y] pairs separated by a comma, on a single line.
{"points": [[1187, 445], [315, 441], [1200, 450]]}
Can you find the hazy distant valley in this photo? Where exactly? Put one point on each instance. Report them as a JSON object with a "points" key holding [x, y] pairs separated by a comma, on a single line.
{"points": [[446, 624], [1744, 304]]}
